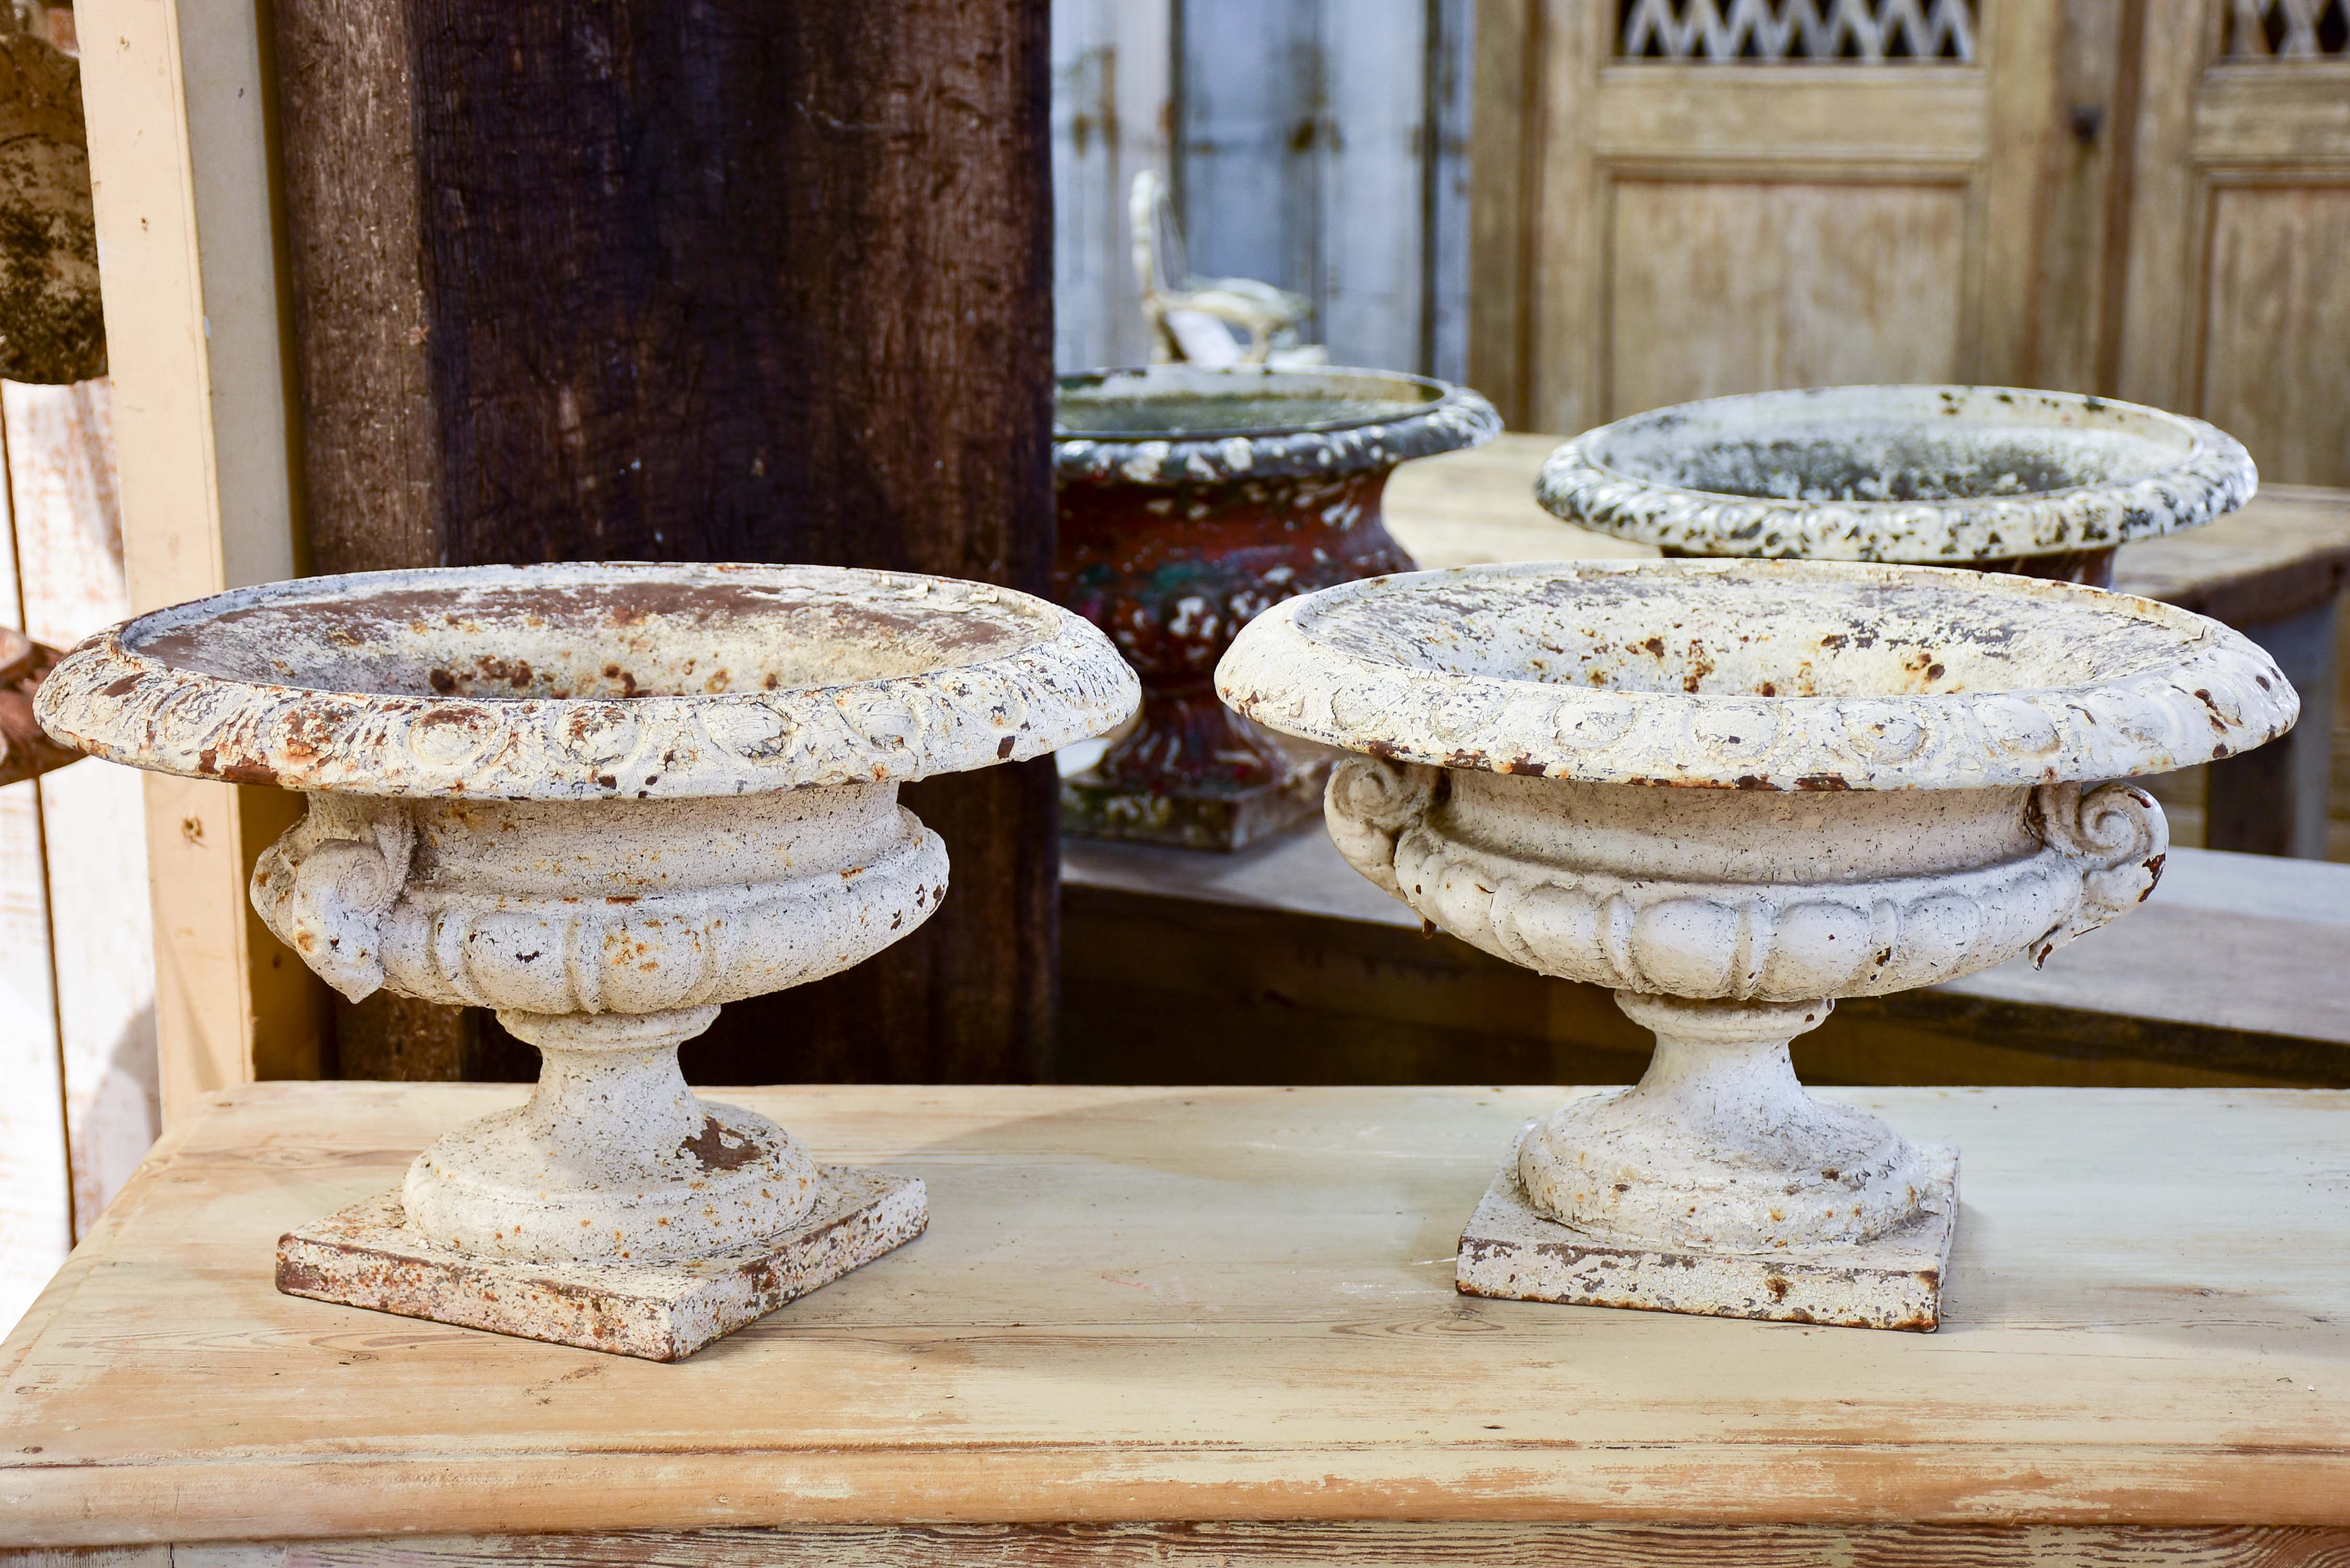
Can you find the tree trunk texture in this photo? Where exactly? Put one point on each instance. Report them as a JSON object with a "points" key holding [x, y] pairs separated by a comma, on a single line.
{"points": [[763, 280]]}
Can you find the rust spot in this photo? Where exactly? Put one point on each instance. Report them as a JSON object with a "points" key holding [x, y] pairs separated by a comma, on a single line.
{"points": [[442, 682], [710, 1148], [1776, 1286], [1004, 747], [123, 687], [622, 899], [1822, 781]]}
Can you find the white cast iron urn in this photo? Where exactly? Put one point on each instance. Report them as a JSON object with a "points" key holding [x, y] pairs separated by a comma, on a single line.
{"points": [[602, 800], [1734, 790], [2048, 484]]}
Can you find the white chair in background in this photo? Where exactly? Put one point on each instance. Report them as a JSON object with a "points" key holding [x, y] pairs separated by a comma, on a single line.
{"points": [[1191, 319]]}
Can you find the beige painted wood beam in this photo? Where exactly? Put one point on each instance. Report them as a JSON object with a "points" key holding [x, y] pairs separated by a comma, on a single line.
{"points": [[197, 320]]}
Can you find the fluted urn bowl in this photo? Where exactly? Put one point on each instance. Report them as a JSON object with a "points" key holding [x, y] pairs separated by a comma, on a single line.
{"points": [[603, 800], [2042, 484], [1189, 498], [1734, 790]]}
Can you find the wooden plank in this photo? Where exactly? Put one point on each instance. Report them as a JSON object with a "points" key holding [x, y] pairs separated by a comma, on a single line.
{"points": [[2277, 313], [2290, 113], [1112, 109], [179, 155], [2162, 319], [1505, 198], [2023, 141], [64, 497], [36, 1185], [1724, 286], [1220, 1304], [816, 329], [1282, 1545], [1566, 318], [2077, 321], [1801, 114]]}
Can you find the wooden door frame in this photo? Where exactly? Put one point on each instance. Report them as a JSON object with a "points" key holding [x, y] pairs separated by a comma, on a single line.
{"points": [[178, 96], [2188, 86], [1544, 156]]}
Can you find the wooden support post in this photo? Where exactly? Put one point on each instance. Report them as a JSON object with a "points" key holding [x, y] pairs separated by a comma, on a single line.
{"points": [[727, 281], [176, 96]]}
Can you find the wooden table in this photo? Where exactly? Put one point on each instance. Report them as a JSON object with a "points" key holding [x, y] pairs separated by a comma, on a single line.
{"points": [[2273, 570], [1217, 1326]]}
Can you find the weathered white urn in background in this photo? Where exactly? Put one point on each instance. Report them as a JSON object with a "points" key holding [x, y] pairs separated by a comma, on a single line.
{"points": [[2048, 485], [602, 800], [1734, 790]]}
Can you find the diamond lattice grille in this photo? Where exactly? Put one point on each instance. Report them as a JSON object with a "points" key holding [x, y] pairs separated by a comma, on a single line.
{"points": [[2288, 29], [1750, 32]]}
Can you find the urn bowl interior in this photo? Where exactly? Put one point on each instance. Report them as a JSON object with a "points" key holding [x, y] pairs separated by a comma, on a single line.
{"points": [[1891, 444], [1757, 633], [1194, 402], [616, 634]]}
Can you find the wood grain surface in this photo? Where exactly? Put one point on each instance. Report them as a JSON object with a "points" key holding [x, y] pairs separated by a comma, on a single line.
{"points": [[1276, 1545], [1144, 1305]]}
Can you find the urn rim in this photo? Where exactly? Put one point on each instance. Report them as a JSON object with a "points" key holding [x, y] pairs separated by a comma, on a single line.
{"points": [[1425, 417], [936, 675], [1389, 667], [2087, 474]]}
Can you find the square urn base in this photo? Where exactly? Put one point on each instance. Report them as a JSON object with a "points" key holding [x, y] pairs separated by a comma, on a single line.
{"points": [[1510, 1253], [363, 1256]]}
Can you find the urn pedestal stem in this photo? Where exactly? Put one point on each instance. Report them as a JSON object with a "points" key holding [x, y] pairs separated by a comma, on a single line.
{"points": [[613, 1159], [1718, 1145]]}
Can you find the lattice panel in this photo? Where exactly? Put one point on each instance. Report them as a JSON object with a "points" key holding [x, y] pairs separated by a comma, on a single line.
{"points": [[1760, 32], [2288, 29]]}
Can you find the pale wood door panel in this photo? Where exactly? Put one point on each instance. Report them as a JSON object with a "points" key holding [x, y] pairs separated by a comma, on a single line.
{"points": [[1719, 286], [1748, 214], [2276, 327]]}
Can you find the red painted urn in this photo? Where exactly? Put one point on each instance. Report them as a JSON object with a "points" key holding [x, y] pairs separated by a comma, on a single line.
{"points": [[1191, 499]]}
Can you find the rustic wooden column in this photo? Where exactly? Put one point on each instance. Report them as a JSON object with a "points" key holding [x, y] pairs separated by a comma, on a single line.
{"points": [[740, 279]]}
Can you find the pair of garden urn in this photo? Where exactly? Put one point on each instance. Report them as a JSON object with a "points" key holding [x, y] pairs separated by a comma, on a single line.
{"points": [[605, 800]]}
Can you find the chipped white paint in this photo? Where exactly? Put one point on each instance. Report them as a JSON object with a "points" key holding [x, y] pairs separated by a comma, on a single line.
{"points": [[1881, 771], [1898, 474], [602, 800]]}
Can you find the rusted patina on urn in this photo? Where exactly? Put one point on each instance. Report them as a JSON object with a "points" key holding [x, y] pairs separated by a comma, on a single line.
{"points": [[2044, 485], [1190, 500], [603, 800]]}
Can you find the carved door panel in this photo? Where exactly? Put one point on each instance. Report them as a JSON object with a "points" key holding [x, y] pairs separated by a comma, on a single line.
{"points": [[2239, 295], [1715, 196]]}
